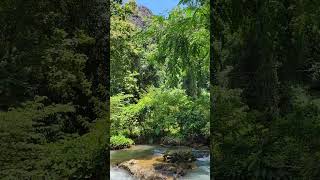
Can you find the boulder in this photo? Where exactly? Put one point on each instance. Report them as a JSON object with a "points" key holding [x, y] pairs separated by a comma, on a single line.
{"points": [[156, 169], [179, 156], [144, 169]]}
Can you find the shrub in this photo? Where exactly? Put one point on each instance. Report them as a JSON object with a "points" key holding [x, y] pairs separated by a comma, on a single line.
{"points": [[120, 142], [170, 140], [24, 131], [159, 113], [34, 145], [247, 147], [83, 157]]}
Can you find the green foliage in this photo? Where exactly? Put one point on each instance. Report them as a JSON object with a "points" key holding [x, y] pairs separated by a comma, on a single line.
{"points": [[120, 142], [173, 140], [23, 132], [35, 143], [65, 68], [53, 87], [80, 158], [118, 118], [267, 50], [159, 75], [161, 112], [124, 52], [183, 48], [163, 109], [245, 147]]}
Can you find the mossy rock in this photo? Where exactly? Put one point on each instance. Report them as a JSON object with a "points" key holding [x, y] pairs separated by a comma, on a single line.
{"points": [[179, 156], [171, 169]]}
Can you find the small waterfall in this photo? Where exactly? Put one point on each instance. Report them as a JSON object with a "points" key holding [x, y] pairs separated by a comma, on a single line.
{"points": [[202, 172], [204, 159], [119, 174]]}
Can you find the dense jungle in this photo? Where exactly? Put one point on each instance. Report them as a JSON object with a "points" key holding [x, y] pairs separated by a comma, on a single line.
{"points": [[53, 89], [264, 72], [159, 76]]}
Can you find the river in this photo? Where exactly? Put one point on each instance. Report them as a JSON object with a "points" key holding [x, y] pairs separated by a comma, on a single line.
{"points": [[202, 172]]}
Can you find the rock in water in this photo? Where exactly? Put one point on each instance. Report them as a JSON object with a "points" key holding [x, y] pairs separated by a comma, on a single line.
{"points": [[144, 169], [156, 169], [179, 156]]}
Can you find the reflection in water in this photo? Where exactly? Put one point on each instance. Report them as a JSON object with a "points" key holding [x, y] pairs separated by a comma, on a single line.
{"points": [[202, 172], [135, 152]]}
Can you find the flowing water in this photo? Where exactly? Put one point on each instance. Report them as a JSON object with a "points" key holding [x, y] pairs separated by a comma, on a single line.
{"points": [[202, 172]]}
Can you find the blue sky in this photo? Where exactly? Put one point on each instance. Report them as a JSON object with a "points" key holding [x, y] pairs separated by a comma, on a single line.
{"points": [[159, 7]]}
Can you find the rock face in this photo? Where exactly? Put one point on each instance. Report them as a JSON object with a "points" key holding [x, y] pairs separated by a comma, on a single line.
{"points": [[156, 169], [142, 17]]}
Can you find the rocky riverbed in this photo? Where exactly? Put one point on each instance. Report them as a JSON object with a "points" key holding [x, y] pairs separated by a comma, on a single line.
{"points": [[148, 162]]}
